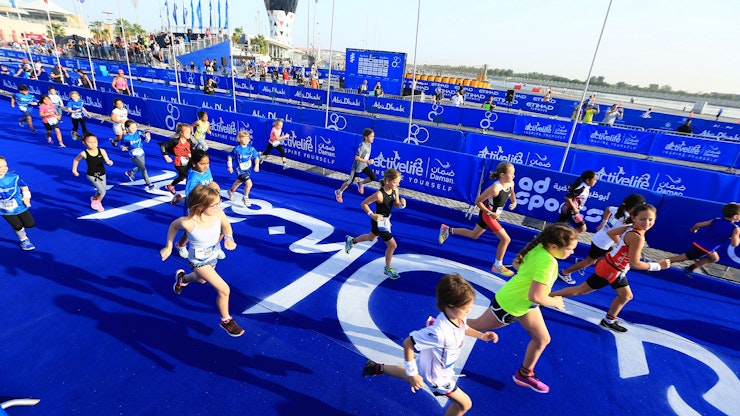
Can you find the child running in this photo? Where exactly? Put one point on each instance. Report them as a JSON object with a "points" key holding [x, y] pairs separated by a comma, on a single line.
{"points": [[576, 198], [76, 109], [385, 199], [57, 101], [204, 225], [361, 164], [246, 157], [717, 232], [25, 100], [491, 204], [601, 243], [96, 159], [612, 268], [276, 135], [439, 346], [200, 127], [519, 298], [133, 143], [180, 147], [15, 199], [48, 113], [118, 116]]}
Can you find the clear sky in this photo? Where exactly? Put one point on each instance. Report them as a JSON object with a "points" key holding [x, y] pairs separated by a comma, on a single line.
{"points": [[688, 44]]}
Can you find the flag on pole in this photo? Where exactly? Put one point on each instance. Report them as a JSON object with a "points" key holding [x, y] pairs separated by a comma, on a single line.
{"points": [[174, 12], [184, 14], [200, 16], [12, 3], [167, 11], [226, 16], [192, 15], [219, 13], [210, 13]]}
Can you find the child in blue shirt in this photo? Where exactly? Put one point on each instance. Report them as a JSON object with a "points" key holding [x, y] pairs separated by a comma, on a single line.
{"points": [[25, 100], [246, 157], [76, 109], [717, 232], [133, 143], [15, 199]]}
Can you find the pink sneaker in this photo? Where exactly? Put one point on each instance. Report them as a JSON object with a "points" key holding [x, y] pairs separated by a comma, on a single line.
{"points": [[96, 205], [360, 188], [531, 381]]}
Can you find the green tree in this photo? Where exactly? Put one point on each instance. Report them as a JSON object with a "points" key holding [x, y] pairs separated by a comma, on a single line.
{"points": [[259, 44], [56, 28], [135, 30], [238, 32]]}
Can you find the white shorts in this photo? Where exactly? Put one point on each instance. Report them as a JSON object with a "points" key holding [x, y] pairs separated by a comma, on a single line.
{"points": [[118, 129]]}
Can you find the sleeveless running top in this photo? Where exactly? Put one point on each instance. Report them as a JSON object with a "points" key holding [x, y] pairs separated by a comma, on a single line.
{"points": [[384, 208], [204, 242], [201, 129], [95, 164], [616, 263], [495, 202]]}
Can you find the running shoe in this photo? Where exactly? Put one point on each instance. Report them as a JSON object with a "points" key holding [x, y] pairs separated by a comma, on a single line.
{"points": [[232, 328], [688, 271], [285, 166], [170, 188], [21, 121], [27, 245], [177, 199], [130, 174], [62, 146], [372, 368], [179, 284], [96, 205], [75, 136], [48, 140], [391, 273], [613, 326], [503, 271], [348, 244], [338, 196], [150, 187], [231, 194], [360, 188], [566, 278], [182, 251], [444, 233], [531, 381], [113, 142], [246, 202]]}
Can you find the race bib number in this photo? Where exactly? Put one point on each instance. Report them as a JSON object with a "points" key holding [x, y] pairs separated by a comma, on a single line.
{"points": [[384, 224], [184, 160], [52, 121], [77, 115], [22, 107], [202, 253], [499, 210], [136, 152], [245, 165], [8, 204]]}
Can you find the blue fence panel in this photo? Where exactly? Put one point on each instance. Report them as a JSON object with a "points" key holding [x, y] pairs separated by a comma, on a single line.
{"points": [[627, 140], [310, 96], [659, 177], [348, 101], [514, 151], [348, 123], [213, 102], [540, 193], [271, 111], [536, 104], [695, 150], [447, 114], [427, 136], [388, 106], [245, 86], [433, 171], [273, 90], [322, 147], [544, 128], [225, 125], [166, 115], [718, 130], [136, 107], [488, 120]]}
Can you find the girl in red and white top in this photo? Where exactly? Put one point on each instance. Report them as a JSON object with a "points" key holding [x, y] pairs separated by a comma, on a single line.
{"points": [[612, 268], [276, 136], [180, 147], [48, 113]]}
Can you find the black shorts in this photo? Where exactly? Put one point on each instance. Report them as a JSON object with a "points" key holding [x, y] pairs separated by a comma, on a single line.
{"points": [[596, 282], [595, 251], [385, 235], [695, 253], [501, 315], [244, 177], [367, 171]]}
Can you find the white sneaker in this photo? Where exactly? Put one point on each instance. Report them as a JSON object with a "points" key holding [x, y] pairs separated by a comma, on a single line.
{"points": [[231, 195], [285, 166], [566, 278], [182, 251], [246, 202]]}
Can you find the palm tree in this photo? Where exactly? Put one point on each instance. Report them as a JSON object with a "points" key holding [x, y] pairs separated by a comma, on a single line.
{"points": [[237, 35], [96, 28], [55, 30], [259, 44], [136, 30]]}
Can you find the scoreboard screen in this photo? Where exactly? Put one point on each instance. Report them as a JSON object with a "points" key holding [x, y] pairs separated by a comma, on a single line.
{"points": [[388, 68]]}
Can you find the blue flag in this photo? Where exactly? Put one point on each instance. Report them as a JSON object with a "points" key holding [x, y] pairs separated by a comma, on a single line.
{"points": [[167, 12], [174, 13], [226, 16], [210, 13], [219, 13], [200, 16], [12, 3], [184, 14], [192, 15]]}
